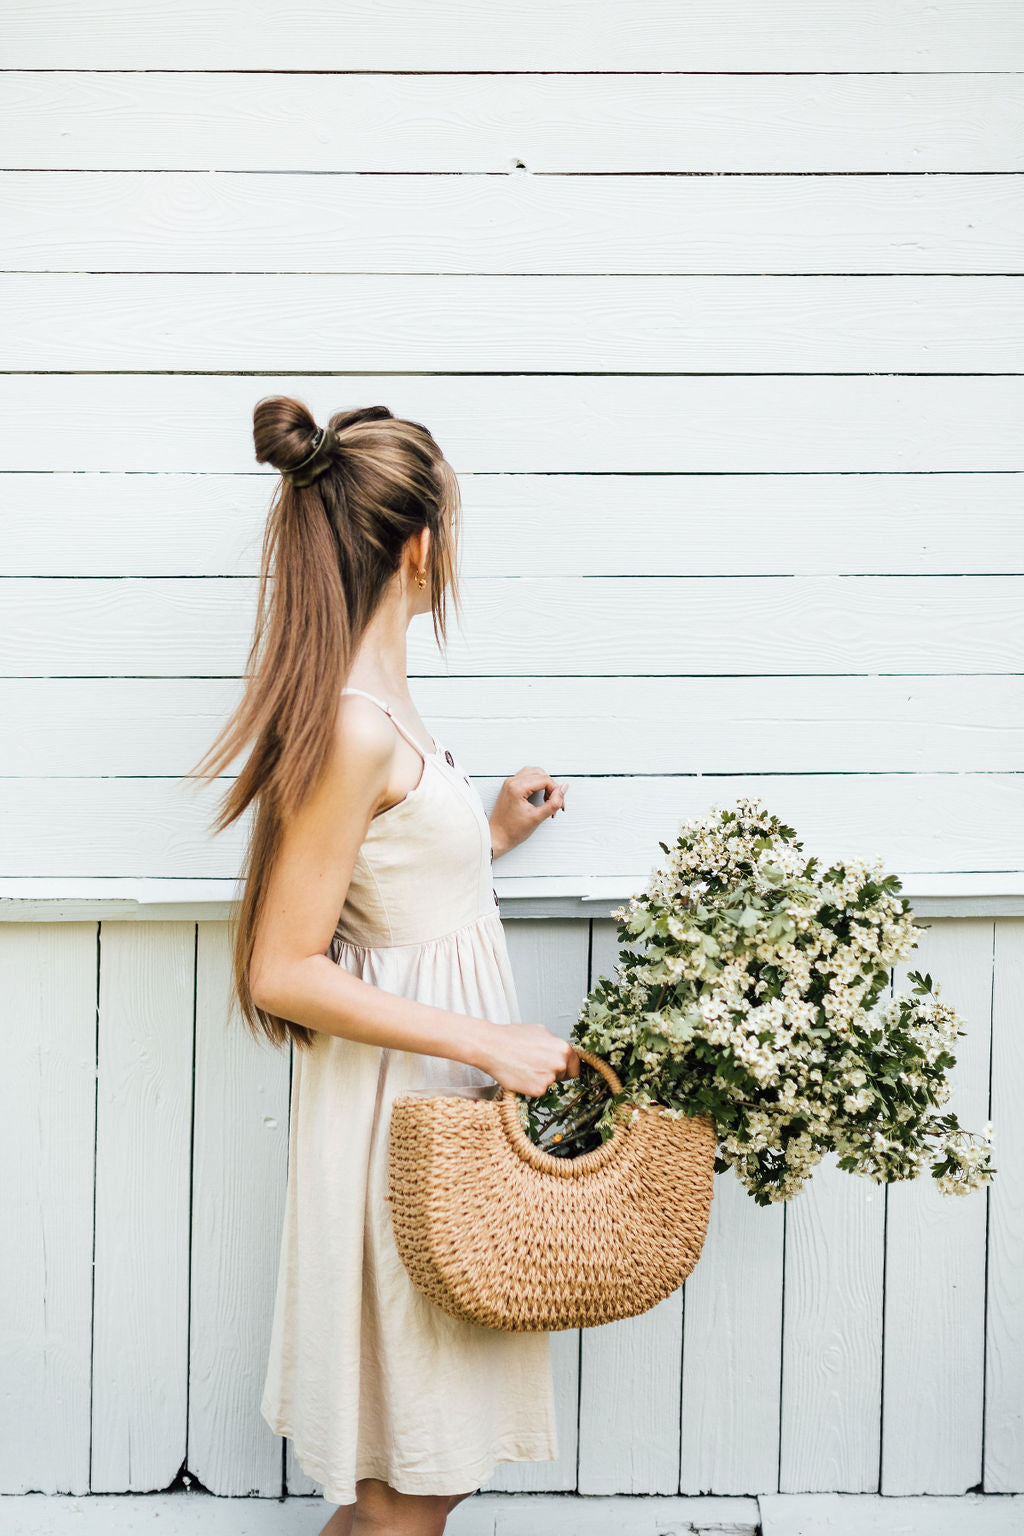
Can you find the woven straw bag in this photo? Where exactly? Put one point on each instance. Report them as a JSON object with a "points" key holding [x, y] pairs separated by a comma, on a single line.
{"points": [[494, 1230]]}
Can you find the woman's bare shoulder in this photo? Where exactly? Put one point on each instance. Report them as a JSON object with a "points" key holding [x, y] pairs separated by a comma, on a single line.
{"points": [[362, 743]]}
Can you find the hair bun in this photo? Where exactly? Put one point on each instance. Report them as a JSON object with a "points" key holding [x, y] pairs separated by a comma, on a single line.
{"points": [[286, 436]]}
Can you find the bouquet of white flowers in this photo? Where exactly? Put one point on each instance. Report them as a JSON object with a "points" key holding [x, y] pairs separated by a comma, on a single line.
{"points": [[747, 990]]}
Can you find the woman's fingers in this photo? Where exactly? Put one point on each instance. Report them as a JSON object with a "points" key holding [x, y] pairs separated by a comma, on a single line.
{"points": [[530, 779], [553, 802]]}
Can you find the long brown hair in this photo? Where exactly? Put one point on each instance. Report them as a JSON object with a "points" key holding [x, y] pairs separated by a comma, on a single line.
{"points": [[332, 544]]}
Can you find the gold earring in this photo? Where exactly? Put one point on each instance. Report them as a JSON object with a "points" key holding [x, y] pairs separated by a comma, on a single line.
{"points": [[421, 579]]}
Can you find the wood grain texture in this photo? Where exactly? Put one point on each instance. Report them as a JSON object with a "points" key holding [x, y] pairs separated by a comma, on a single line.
{"points": [[727, 1400], [237, 222], [549, 964], [732, 1349], [525, 35], [1004, 1344], [131, 727], [596, 123], [630, 1370], [974, 893], [933, 1386], [167, 322], [152, 829], [814, 1514], [496, 1514], [511, 425], [47, 1110], [577, 524], [832, 1334], [526, 626], [239, 1174], [629, 1402], [143, 1173], [837, 1514], [297, 1483]]}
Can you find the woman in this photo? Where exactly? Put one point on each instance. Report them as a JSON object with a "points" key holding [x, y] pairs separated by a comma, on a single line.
{"points": [[368, 934]]}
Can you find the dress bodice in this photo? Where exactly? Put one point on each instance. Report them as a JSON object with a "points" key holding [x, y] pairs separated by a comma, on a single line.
{"points": [[424, 867]]}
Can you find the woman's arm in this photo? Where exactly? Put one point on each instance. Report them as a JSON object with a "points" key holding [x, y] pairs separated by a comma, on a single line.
{"points": [[324, 996], [294, 978]]}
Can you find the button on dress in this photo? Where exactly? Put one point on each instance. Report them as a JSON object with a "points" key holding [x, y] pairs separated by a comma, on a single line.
{"points": [[365, 1376]]}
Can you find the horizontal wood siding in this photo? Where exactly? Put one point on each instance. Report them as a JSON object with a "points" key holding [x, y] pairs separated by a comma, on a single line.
{"points": [[556, 123], [900, 35]]}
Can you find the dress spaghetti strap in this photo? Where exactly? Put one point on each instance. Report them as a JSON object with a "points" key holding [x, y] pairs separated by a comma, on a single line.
{"points": [[394, 719]]}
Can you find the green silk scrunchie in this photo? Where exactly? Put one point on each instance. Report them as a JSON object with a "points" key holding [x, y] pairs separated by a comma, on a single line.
{"points": [[299, 475]]}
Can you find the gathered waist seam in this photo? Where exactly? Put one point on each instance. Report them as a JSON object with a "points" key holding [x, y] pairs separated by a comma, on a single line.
{"points": [[419, 943]]}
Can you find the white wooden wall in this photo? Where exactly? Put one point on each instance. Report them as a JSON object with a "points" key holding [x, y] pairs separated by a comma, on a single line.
{"points": [[716, 310], [858, 1339]]}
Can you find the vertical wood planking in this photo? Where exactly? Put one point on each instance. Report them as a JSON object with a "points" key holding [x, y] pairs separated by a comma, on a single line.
{"points": [[1004, 1389], [240, 1149], [549, 962], [47, 1098], [629, 1402], [297, 1481], [630, 1369], [935, 1255], [732, 1348], [143, 1153], [832, 1334]]}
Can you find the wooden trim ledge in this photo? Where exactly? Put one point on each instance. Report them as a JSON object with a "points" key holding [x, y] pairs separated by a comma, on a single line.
{"points": [[199, 1513], [44, 900]]}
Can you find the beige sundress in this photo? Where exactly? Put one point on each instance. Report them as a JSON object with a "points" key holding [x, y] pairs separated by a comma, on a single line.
{"points": [[365, 1376]]}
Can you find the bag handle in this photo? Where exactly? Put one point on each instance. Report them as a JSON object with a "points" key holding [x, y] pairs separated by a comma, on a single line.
{"points": [[565, 1167]]}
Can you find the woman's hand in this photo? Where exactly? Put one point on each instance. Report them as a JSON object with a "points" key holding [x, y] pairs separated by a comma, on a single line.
{"points": [[527, 1058], [514, 817]]}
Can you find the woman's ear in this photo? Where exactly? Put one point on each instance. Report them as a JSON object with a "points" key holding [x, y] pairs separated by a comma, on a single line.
{"points": [[416, 558], [418, 550]]}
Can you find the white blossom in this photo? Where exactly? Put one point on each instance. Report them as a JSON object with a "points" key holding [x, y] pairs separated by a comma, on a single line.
{"points": [[727, 948]]}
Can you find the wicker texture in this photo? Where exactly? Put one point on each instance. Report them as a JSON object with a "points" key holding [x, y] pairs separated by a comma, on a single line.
{"points": [[496, 1231]]}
